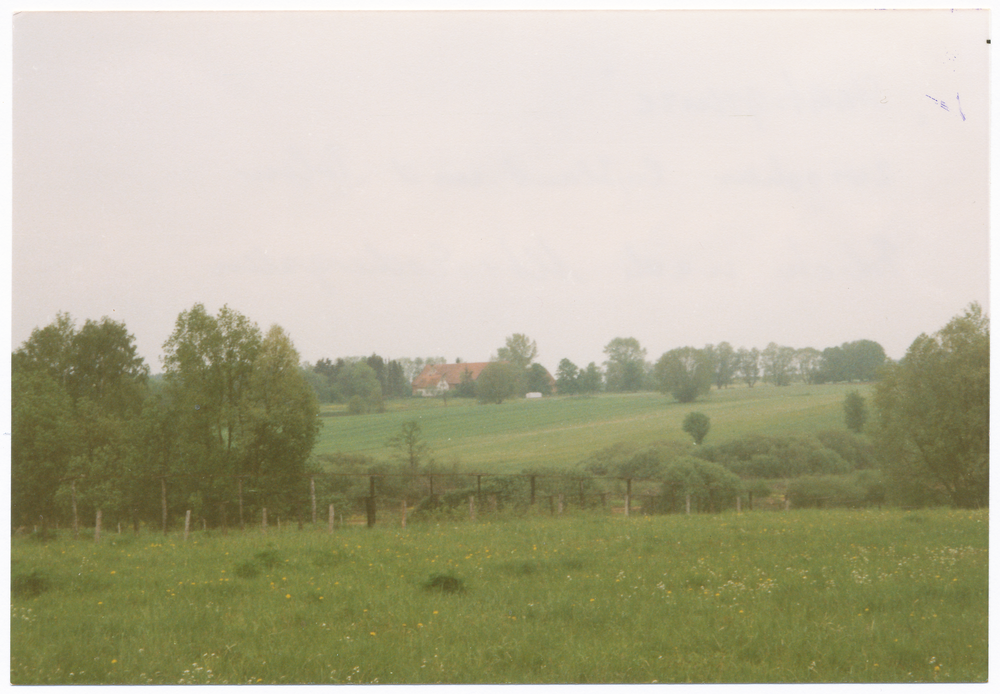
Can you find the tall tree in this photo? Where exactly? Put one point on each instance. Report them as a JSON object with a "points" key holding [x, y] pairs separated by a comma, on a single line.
{"points": [[724, 362], [208, 364], [808, 362], [625, 368], [566, 377], [282, 412], [539, 380], [855, 411], [933, 412], [590, 379], [519, 350], [685, 372], [97, 382], [498, 381], [778, 362], [748, 365]]}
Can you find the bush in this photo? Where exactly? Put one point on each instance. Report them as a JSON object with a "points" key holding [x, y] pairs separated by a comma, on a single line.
{"points": [[30, 584], [712, 487], [863, 488]]}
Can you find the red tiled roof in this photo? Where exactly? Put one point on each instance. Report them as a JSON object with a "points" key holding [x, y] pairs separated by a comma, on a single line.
{"points": [[452, 374]]}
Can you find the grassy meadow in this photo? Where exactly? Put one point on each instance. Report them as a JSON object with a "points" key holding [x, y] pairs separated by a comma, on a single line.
{"points": [[559, 432], [798, 596]]}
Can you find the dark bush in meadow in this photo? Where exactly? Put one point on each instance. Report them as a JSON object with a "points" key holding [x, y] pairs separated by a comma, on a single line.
{"points": [[776, 457], [864, 488], [711, 487], [855, 449], [29, 584]]}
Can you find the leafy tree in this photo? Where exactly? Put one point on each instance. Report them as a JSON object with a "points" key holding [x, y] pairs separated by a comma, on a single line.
{"points": [[590, 379], [778, 363], [724, 363], [539, 380], [696, 424], [466, 386], [626, 364], [282, 413], [855, 411], [90, 383], [860, 360], [409, 445], [685, 372], [519, 350], [498, 381], [748, 365], [208, 364], [43, 443], [808, 363], [932, 413], [567, 376], [359, 385], [396, 382]]}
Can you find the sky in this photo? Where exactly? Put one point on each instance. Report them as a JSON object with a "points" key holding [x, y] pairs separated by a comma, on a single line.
{"points": [[428, 184]]}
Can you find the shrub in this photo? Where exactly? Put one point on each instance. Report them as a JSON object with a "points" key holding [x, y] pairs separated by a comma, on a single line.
{"points": [[711, 486], [445, 583], [30, 584], [860, 489]]}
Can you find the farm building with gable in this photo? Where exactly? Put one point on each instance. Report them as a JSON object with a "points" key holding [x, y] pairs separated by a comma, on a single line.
{"points": [[436, 379], [440, 378]]}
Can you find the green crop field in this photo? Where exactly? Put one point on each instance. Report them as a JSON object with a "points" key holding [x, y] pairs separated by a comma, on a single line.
{"points": [[559, 432], [796, 596]]}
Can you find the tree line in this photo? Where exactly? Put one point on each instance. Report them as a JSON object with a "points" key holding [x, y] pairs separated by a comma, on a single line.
{"points": [[688, 372], [236, 401], [232, 401]]}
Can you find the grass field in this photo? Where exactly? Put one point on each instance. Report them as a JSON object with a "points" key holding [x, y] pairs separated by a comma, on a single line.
{"points": [[799, 596], [559, 432]]}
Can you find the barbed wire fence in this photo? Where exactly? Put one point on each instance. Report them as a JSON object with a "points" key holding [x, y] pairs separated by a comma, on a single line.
{"points": [[331, 500]]}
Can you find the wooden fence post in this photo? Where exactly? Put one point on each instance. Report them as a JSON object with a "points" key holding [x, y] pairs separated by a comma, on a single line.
{"points": [[331, 519], [370, 510], [687, 504], [239, 483], [403, 514], [560, 506], [628, 496], [76, 520], [163, 501], [750, 501], [97, 527], [532, 490], [552, 505], [472, 507], [493, 503], [263, 521], [312, 496], [187, 524], [582, 498], [738, 509]]}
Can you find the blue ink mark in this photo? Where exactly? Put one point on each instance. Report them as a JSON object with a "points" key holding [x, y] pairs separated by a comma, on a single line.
{"points": [[931, 98], [959, 106]]}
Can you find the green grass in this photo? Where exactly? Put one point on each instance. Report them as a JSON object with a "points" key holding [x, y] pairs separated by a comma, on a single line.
{"points": [[561, 431], [801, 596]]}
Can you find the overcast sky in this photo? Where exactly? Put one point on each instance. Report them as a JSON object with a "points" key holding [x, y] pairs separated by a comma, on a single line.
{"points": [[418, 184]]}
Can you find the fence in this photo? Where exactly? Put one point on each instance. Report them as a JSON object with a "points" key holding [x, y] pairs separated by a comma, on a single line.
{"points": [[238, 501]]}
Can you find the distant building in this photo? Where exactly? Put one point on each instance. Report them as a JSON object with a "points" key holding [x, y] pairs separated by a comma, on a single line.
{"points": [[436, 379]]}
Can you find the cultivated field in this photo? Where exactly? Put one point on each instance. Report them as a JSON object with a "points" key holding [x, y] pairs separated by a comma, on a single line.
{"points": [[797, 596], [561, 431]]}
